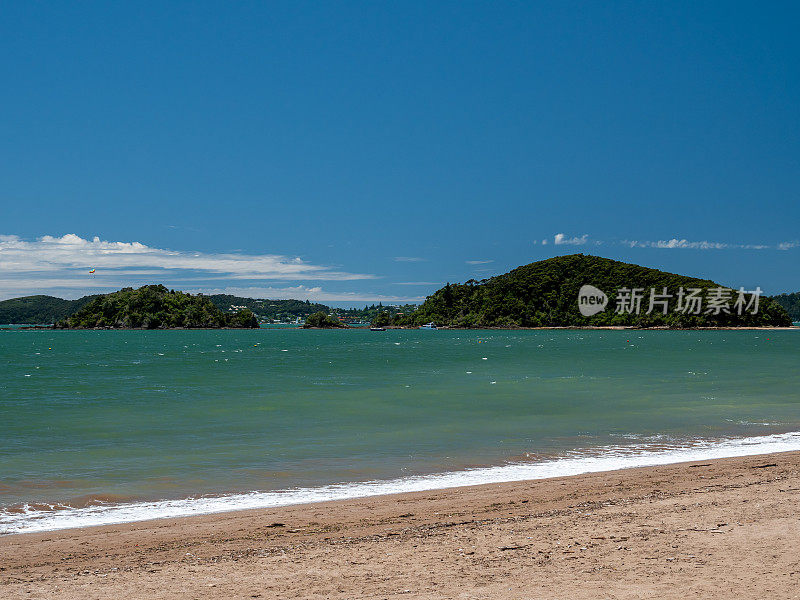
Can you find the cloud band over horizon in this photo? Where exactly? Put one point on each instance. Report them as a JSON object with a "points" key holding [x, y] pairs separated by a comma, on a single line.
{"points": [[62, 264]]}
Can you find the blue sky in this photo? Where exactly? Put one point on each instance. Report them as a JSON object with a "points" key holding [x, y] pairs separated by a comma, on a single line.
{"points": [[354, 152]]}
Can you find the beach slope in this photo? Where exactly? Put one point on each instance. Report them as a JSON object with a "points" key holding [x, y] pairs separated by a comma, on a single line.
{"points": [[726, 528]]}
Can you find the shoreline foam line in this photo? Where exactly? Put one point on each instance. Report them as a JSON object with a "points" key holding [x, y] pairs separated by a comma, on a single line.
{"points": [[608, 458]]}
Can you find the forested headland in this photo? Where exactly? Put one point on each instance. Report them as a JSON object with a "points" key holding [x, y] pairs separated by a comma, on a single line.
{"points": [[154, 307]]}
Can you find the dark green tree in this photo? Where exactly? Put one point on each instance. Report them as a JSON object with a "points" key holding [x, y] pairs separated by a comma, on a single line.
{"points": [[319, 320], [382, 319]]}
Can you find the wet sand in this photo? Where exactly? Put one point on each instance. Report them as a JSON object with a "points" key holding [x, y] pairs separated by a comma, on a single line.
{"points": [[726, 528]]}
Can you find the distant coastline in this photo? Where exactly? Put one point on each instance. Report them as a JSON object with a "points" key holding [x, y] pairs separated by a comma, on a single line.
{"points": [[541, 295], [292, 327]]}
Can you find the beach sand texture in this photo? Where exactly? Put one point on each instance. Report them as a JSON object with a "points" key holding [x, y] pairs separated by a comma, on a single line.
{"points": [[727, 528]]}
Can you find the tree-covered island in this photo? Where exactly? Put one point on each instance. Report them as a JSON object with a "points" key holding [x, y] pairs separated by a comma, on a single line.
{"points": [[545, 294], [154, 307], [321, 320], [540, 294]]}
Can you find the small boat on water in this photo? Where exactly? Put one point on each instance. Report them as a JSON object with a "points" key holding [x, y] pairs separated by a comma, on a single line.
{"points": [[428, 326], [377, 328]]}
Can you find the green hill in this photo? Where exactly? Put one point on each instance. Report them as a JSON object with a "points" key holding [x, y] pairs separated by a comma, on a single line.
{"points": [[539, 294], [545, 294], [39, 309], [154, 307], [791, 302]]}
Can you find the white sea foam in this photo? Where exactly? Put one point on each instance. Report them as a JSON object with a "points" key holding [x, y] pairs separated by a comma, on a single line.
{"points": [[607, 458]]}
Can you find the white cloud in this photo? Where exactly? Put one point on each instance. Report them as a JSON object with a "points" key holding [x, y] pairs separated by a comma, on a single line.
{"points": [[561, 240], [409, 259], [676, 243], [705, 245], [61, 265], [479, 262], [73, 253]]}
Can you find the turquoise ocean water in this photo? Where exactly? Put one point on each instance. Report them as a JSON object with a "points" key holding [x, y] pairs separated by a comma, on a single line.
{"points": [[110, 426]]}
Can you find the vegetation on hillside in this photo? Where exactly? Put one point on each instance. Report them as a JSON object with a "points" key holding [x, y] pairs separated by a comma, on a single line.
{"points": [[321, 320], [382, 319], [368, 314], [39, 309], [545, 294], [289, 310], [154, 307], [535, 295], [268, 309], [790, 302], [47, 309]]}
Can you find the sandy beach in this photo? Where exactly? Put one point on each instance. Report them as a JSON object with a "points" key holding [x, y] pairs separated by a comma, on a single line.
{"points": [[726, 528]]}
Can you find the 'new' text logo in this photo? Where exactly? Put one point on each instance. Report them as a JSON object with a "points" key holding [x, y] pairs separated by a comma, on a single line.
{"points": [[591, 300]]}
